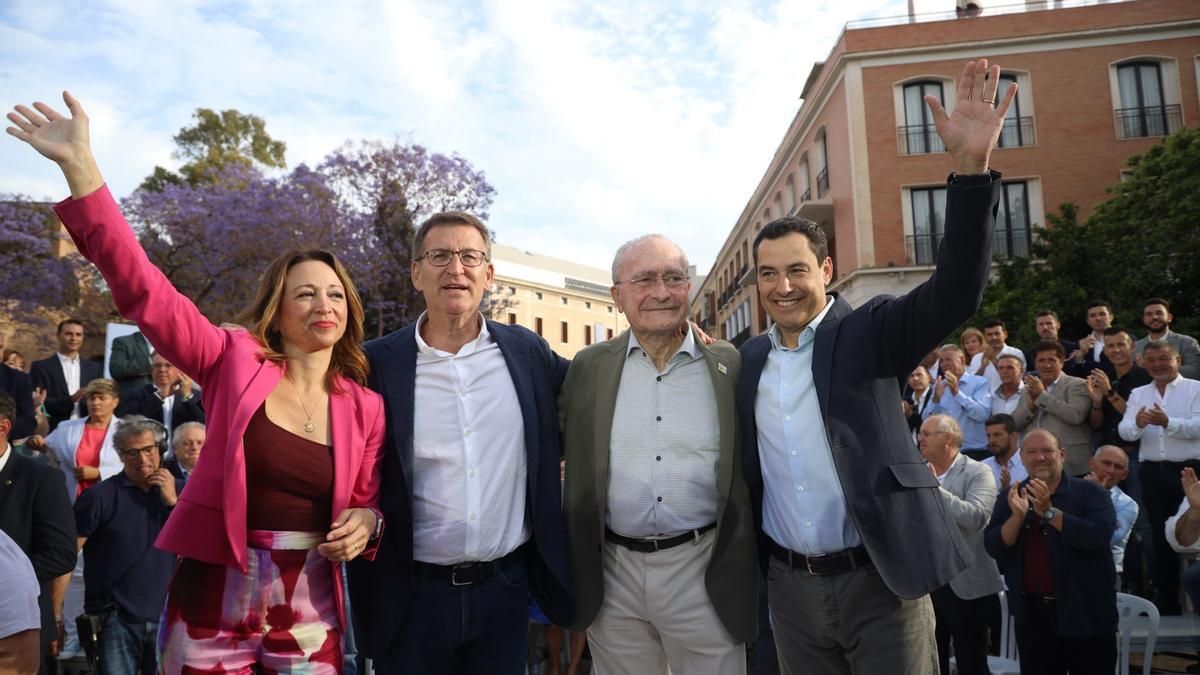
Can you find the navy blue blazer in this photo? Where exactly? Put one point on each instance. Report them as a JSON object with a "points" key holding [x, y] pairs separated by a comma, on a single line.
{"points": [[380, 590], [859, 358], [48, 374], [20, 386], [1081, 562]]}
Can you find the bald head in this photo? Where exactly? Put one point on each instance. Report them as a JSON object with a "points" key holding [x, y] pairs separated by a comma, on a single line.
{"points": [[1109, 466], [1043, 455]]}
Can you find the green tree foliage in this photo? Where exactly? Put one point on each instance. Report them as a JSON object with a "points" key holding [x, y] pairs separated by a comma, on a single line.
{"points": [[216, 142], [1144, 241]]}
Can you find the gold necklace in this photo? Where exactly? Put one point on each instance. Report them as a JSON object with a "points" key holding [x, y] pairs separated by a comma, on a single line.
{"points": [[308, 427]]}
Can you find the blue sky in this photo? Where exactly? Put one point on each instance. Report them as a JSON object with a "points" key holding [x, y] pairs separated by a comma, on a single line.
{"points": [[596, 122]]}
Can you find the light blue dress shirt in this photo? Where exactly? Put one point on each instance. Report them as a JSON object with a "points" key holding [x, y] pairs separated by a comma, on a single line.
{"points": [[1127, 513], [970, 407], [804, 508]]}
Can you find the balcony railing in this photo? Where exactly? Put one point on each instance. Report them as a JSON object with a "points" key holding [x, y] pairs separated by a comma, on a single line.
{"points": [[807, 196], [1006, 243], [1151, 120], [1017, 132], [919, 139], [823, 182]]}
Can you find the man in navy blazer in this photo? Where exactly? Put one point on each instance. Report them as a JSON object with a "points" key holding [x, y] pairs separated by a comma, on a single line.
{"points": [[853, 531], [471, 493], [64, 374]]}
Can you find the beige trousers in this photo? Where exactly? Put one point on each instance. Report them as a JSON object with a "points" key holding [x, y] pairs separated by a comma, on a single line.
{"points": [[656, 612]]}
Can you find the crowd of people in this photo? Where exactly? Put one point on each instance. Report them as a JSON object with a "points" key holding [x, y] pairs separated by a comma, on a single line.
{"points": [[403, 498]]}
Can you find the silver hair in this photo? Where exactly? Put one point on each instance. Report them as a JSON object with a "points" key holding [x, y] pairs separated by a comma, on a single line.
{"points": [[132, 426], [181, 427], [949, 426], [628, 246]]}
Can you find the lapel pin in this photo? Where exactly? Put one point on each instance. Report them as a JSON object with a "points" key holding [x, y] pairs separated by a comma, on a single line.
{"points": [[722, 369]]}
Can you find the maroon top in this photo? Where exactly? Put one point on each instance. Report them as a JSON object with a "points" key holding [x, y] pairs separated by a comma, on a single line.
{"points": [[289, 479], [1038, 578]]}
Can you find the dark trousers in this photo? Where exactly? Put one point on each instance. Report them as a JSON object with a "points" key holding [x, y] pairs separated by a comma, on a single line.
{"points": [[965, 623], [477, 629], [128, 647], [1161, 495], [1042, 652], [1191, 585]]}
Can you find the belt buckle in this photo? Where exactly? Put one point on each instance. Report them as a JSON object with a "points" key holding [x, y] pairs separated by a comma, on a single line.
{"points": [[454, 575], [808, 564]]}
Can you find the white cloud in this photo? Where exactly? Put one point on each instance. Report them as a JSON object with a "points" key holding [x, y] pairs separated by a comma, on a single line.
{"points": [[595, 124]]}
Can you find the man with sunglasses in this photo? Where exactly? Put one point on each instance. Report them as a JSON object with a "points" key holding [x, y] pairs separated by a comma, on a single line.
{"points": [[471, 491], [125, 576]]}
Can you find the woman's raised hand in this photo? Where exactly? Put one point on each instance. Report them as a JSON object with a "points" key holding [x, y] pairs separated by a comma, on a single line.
{"points": [[61, 139]]}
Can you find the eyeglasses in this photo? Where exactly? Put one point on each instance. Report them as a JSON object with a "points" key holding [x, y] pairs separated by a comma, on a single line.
{"points": [[130, 453], [649, 281], [440, 257]]}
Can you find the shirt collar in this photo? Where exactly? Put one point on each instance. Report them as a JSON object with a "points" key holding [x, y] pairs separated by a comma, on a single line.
{"points": [[807, 335], [66, 359], [424, 348], [688, 346], [5, 457]]}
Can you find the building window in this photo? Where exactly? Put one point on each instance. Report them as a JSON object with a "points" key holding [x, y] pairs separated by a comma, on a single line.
{"points": [[512, 319], [1144, 110], [512, 290], [610, 333], [1017, 129], [929, 223], [805, 185], [565, 333], [1012, 235], [564, 299], [587, 334], [609, 308], [918, 135], [823, 162], [538, 295], [537, 325], [587, 304], [1011, 238]]}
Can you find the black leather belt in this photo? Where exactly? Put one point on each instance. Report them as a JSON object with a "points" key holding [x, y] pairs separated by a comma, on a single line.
{"points": [[464, 573], [823, 565], [652, 545]]}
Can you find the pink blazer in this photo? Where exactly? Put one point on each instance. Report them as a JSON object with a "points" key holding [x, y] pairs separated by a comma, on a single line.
{"points": [[209, 522]]}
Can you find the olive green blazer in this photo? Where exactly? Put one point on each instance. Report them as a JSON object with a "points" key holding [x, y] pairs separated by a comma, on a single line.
{"points": [[586, 403]]}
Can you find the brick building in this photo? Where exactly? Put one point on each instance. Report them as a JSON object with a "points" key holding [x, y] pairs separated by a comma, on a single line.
{"points": [[1098, 83]]}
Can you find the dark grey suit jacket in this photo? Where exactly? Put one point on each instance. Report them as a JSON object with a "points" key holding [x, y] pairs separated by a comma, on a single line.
{"points": [[587, 405], [859, 357]]}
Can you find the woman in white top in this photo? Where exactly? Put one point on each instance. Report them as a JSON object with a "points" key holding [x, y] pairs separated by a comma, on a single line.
{"points": [[83, 447]]}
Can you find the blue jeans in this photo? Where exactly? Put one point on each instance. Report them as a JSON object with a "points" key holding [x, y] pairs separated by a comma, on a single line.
{"points": [[479, 629], [127, 647], [349, 648]]}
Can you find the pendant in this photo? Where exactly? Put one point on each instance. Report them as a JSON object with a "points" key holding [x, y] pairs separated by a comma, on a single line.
{"points": [[309, 427]]}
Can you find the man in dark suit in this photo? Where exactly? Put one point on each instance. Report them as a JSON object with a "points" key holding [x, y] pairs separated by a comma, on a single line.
{"points": [[19, 386], [1089, 351], [65, 374], [854, 534], [1051, 537], [129, 362], [36, 513], [471, 489], [170, 399], [1046, 324]]}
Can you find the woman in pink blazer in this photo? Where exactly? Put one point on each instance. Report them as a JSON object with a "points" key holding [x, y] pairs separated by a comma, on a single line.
{"points": [[286, 487]]}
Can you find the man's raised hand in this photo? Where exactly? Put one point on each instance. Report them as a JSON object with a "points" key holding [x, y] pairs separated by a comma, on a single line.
{"points": [[970, 131]]}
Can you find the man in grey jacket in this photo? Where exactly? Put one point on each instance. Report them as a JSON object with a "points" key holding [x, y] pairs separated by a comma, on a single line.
{"points": [[963, 606], [1157, 318]]}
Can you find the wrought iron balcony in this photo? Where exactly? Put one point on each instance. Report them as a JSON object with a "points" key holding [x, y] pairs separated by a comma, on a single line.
{"points": [[1017, 132], [823, 182], [1151, 120], [1006, 243], [919, 139]]}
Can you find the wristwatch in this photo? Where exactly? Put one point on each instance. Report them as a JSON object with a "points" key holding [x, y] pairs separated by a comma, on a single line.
{"points": [[1050, 513]]}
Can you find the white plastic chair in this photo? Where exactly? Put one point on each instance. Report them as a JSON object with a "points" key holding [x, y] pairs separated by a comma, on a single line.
{"points": [[1006, 663], [1129, 608]]}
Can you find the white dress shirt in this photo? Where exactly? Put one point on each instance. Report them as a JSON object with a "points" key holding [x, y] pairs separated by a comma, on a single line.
{"points": [[1006, 405], [469, 469], [804, 508], [70, 367], [4, 458], [1180, 440], [990, 372], [665, 444], [1191, 548]]}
